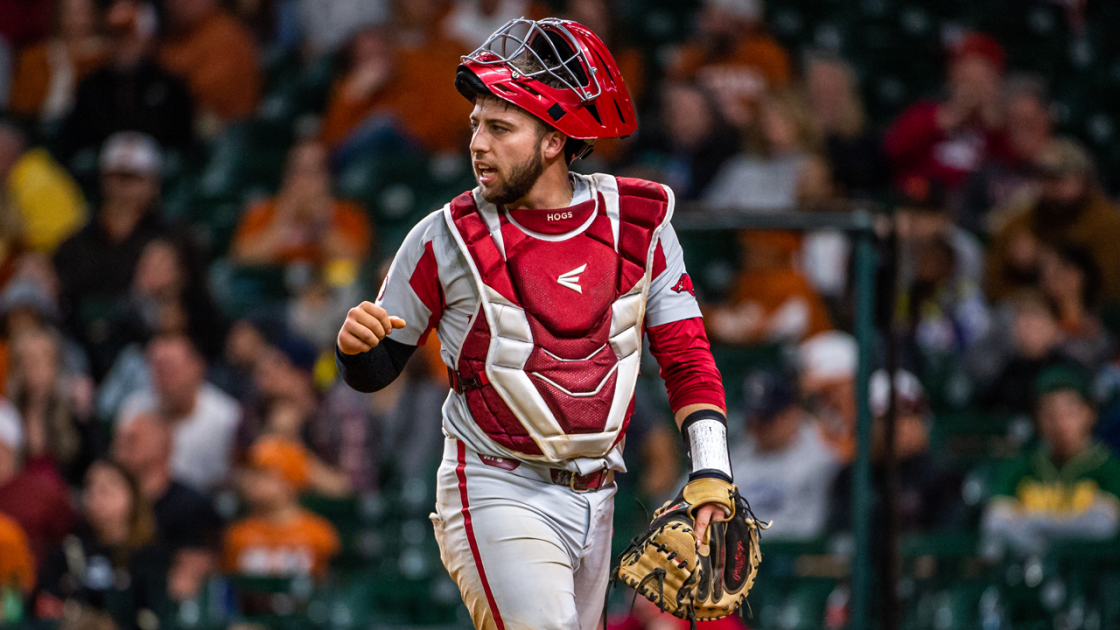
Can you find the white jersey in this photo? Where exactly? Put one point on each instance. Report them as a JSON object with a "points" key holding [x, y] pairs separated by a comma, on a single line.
{"points": [[430, 286]]}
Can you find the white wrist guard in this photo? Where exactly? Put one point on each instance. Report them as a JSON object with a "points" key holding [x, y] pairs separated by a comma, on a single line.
{"points": [[705, 440]]}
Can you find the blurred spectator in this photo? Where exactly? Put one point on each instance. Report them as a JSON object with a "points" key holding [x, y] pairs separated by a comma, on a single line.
{"points": [[56, 407], [1002, 185], [204, 419], [732, 56], [289, 406], [470, 22], [47, 74], [113, 563], [387, 101], [36, 194], [37, 500], [1071, 280], [1066, 489], [217, 57], [1035, 345], [771, 302], [926, 495], [130, 92], [946, 140], [170, 294], [185, 520], [17, 565], [327, 26], [278, 537], [853, 151], [783, 465], [1071, 210], [25, 21], [689, 144], [304, 223], [827, 372], [246, 343], [96, 266], [781, 169]]}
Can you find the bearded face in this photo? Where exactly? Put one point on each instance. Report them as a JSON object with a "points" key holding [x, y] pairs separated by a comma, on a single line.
{"points": [[506, 151]]}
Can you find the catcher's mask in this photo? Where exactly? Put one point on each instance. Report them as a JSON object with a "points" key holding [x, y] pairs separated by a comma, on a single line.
{"points": [[558, 71]]}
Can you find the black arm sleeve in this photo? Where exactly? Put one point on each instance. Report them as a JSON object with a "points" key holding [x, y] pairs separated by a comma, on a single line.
{"points": [[373, 370]]}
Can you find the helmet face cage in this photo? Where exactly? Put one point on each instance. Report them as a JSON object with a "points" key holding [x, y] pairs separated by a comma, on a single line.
{"points": [[534, 45]]}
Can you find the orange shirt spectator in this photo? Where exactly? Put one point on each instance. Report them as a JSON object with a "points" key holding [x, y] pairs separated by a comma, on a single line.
{"points": [[16, 564], [216, 56], [397, 81], [303, 223], [303, 544], [278, 537], [772, 301], [47, 74]]}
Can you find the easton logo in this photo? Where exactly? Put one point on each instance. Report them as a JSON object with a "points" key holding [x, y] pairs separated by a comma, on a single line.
{"points": [[558, 216], [571, 279], [684, 284], [740, 561]]}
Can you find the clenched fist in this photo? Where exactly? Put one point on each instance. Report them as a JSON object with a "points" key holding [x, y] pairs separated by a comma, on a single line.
{"points": [[365, 326]]}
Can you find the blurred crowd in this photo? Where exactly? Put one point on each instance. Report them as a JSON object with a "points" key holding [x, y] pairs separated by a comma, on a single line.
{"points": [[162, 424]]}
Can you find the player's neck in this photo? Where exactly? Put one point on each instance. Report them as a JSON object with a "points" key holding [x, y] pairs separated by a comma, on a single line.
{"points": [[553, 190]]}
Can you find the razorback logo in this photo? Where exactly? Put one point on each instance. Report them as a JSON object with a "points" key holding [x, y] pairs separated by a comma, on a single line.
{"points": [[740, 561], [684, 284], [499, 462]]}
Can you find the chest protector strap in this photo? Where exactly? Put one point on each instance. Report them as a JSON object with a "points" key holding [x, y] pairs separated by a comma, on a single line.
{"points": [[535, 385]]}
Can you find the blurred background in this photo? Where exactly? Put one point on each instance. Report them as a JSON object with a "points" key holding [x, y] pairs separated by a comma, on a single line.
{"points": [[193, 193]]}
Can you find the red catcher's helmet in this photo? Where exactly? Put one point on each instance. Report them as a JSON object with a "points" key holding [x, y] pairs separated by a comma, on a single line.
{"points": [[558, 71]]}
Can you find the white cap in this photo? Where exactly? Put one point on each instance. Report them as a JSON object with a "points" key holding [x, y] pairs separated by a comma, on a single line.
{"points": [[131, 152], [746, 10], [11, 426], [828, 356]]}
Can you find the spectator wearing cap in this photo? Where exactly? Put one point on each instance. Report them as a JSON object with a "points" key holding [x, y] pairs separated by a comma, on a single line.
{"points": [[826, 377], [36, 500], [1066, 489], [185, 519], [786, 467], [247, 342], [37, 195], [1069, 277], [278, 537], [999, 186], [96, 266], [733, 57], [203, 418], [946, 140], [130, 92], [1070, 210], [926, 495], [216, 55], [771, 301]]}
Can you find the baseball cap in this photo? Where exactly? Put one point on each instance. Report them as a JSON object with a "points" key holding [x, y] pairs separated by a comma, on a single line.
{"points": [[766, 393], [1064, 157], [979, 45], [909, 395], [921, 193], [1064, 378], [283, 457], [828, 356], [131, 152], [301, 353], [11, 426], [28, 294]]}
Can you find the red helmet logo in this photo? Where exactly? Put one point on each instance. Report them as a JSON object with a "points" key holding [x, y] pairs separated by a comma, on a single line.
{"points": [[558, 71]]}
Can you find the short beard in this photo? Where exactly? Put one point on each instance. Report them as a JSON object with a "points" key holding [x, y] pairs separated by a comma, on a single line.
{"points": [[521, 181]]}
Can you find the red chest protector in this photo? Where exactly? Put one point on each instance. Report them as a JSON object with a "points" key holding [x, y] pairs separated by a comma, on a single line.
{"points": [[549, 366]]}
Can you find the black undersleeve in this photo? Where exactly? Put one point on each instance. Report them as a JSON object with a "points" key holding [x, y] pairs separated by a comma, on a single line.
{"points": [[374, 370]]}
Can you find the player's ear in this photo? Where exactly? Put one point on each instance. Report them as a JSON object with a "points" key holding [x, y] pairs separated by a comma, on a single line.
{"points": [[552, 144]]}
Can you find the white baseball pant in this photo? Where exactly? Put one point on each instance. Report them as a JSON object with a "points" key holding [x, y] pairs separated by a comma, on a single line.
{"points": [[526, 553]]}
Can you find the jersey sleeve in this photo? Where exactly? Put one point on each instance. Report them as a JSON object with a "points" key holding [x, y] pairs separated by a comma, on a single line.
{"points": [[412, 289], [671, 296]]}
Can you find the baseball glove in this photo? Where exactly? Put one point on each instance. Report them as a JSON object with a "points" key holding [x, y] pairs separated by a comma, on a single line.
{"points": [[665, 566]]}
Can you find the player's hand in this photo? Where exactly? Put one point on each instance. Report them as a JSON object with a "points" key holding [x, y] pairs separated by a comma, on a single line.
{"points": [[706, 514], [365, 326]]}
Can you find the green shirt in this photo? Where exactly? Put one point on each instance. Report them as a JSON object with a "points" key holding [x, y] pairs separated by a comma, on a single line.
{"points": [[1042, 487]]}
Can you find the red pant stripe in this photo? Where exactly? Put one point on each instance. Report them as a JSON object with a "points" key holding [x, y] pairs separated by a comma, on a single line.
{"points": [[461, 473]]}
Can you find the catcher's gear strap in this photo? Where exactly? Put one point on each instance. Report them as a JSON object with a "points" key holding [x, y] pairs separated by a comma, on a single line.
{"points": [[705, 440]]}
